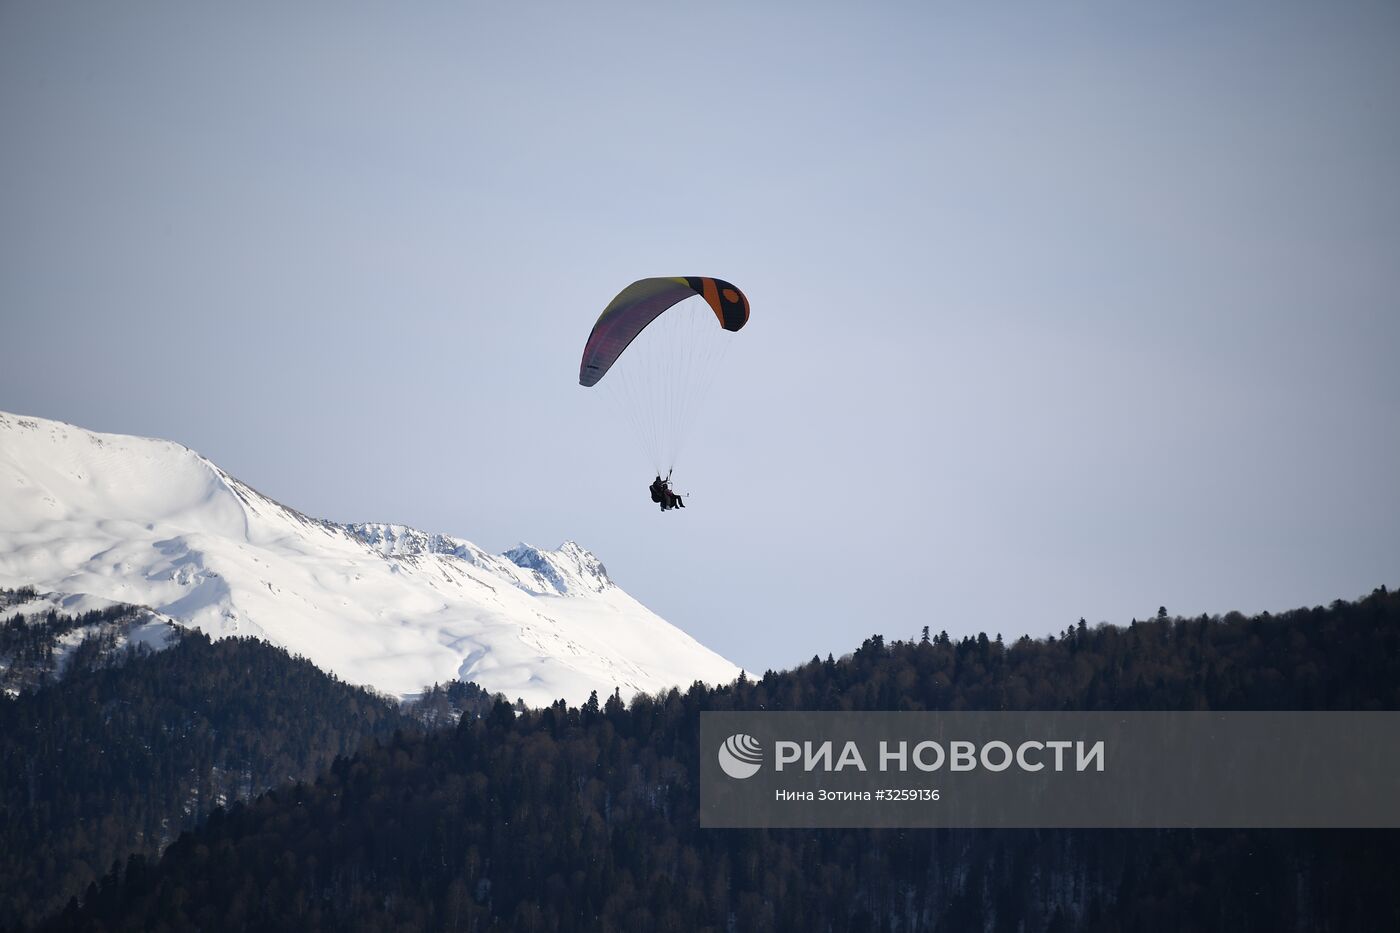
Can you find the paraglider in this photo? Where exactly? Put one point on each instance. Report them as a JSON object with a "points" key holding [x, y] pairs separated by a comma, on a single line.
{"points": [[662, 492], [666, 327]]}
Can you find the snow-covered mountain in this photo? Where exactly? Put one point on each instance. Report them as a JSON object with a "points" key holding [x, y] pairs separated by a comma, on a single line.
{"points": [[153, 523]]}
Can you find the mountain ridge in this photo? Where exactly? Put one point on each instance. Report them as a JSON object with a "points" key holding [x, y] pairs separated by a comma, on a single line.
{"points": [[154, 523]]}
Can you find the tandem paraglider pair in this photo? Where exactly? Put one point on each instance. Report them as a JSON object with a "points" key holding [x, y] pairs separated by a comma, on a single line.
{"points": [[663, 379], [662, 493]]}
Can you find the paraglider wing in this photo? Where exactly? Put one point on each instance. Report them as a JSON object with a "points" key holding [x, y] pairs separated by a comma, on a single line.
{"points": [[642, 302]]}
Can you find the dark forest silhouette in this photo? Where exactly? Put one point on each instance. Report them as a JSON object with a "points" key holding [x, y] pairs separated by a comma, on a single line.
{"points": [[585, 818], [132, 748]]}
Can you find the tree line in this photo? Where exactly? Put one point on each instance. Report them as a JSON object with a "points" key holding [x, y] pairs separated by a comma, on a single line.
{"points": [[585, 818], [130, 749]]}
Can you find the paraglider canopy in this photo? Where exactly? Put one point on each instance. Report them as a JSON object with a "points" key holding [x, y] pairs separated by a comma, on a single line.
{"points": [[659, 345], [642, 302]]}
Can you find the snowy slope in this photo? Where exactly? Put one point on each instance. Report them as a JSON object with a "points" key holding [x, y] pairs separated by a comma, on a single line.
{"points": [[153, 523]]}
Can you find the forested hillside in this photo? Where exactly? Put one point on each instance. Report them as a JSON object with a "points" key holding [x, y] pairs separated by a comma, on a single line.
{"points": [[130, 749], [38, 643], [586, 818]]}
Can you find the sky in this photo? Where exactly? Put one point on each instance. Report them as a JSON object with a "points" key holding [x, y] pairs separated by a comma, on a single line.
{"points": [[1058, 310]]}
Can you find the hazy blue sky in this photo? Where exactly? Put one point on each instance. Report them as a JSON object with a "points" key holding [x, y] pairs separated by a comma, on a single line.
{"points": [[1113, 290]]}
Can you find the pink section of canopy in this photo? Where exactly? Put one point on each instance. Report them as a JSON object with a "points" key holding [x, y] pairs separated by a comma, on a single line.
{"points": [[623, 319]]}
